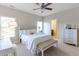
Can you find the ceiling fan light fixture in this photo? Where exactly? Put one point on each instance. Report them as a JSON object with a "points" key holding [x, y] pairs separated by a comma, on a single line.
{"points": [[44, 6], [42, 11]]}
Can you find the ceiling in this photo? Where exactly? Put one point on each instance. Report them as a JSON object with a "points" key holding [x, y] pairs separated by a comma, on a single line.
{"points": [[28, 7]]}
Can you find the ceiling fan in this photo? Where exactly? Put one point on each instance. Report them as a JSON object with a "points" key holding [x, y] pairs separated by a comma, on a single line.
{"points": [[43, 6]]}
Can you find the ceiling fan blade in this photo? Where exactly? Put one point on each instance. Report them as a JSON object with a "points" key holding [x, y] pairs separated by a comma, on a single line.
{"points": [[36, 8], [37, 3], [48, 8], [47, 5]]}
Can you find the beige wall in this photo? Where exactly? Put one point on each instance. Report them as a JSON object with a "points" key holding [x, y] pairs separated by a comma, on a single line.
{"points": [[70, 16], [25, 20]]}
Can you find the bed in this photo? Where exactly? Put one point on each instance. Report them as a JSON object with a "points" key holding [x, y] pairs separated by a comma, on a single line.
{"points": [[32, 40]]}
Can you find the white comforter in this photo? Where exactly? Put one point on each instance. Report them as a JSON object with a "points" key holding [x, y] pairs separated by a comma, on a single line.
{"points": [[31, 41]]}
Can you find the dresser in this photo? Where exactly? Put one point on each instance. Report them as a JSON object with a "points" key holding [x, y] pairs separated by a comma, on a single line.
{"points": [[71, 36]]}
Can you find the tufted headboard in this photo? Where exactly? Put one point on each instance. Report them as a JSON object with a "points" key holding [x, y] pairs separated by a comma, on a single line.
{"points": [[28, 31]]}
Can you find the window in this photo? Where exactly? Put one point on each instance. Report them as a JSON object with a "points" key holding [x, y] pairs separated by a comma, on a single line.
{"points": [[39, 26], [8, 26]]}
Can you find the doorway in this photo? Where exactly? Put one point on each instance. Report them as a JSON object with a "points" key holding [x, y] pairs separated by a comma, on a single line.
{"points": [[54, 28]]}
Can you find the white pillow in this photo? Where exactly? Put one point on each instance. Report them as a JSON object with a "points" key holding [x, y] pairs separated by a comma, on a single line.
{"points": [[31, 31]]}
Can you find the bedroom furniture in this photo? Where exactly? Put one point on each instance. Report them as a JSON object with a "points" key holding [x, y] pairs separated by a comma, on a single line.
{"points": [[28, 31], [45, 45], [71, 36], [6, 47], [31, 41]]}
